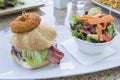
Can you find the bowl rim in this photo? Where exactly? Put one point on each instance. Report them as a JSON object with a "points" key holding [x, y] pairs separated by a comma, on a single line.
{"points": [[90, 43]]}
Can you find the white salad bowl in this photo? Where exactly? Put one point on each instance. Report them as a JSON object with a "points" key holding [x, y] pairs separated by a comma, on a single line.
{"points": [[91, 48]]}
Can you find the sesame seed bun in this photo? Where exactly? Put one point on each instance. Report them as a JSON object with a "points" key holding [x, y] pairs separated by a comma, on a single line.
{"points": [[40, 38], [28, 32]]}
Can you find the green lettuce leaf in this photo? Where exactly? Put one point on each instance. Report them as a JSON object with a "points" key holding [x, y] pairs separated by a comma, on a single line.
{"points": [[2, 3], [34, 58], [75, 19], [110, 31], [93, 36], [94, 11], [15, 2], [88, 39], [78, 34]]}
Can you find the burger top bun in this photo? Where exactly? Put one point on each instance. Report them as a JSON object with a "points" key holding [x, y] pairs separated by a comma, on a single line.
{"points": [[37, 39]]}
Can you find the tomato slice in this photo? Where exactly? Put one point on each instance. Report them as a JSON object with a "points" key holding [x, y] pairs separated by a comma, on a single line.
{"points": [[85, 31], [106, 37]]}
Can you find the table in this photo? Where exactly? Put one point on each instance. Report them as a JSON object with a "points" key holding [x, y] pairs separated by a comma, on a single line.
{"points": [[59, 19]]}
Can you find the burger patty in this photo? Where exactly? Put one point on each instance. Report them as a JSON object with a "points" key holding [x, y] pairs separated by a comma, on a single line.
{"points": [[18, 54]]}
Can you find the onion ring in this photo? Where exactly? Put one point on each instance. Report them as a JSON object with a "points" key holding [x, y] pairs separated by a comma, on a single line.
{"points": [[25, 23]]}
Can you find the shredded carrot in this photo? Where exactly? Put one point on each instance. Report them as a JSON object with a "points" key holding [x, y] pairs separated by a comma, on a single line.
{"points": [[105, 19], [99, 32], [98, 15], [105, 25], [86, 17], [97, 20]]}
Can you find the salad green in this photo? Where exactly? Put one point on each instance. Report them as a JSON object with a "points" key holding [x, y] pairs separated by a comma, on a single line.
{"points": [[9, 3], [2, 3], [93, 27], [94, 10], [110, 31], [34, 58]]}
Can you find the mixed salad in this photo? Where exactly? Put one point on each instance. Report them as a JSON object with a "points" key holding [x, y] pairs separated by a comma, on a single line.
{"points": [[94, 27], [9, 3]]}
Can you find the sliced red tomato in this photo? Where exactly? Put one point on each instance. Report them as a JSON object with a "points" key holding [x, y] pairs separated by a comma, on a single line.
{"points": [[106, 37], [85, 31]]}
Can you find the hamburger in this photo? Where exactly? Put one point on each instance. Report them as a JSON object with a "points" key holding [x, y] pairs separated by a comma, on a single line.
{"points": [[32, 42]]}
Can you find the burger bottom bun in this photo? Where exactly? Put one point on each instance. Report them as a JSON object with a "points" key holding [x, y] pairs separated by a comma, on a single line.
{"points": [[25, 65]]}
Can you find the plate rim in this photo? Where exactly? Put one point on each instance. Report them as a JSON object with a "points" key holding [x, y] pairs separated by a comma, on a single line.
{"points": [[22, 7], [65, 74]]}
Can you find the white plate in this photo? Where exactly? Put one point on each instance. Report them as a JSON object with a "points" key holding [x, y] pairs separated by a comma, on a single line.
{"points": [[68, 67], [107, 7], [29, 4]]}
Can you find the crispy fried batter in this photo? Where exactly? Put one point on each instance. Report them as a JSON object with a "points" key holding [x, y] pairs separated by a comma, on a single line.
{"points": [[25, 24], [112, 3]]}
